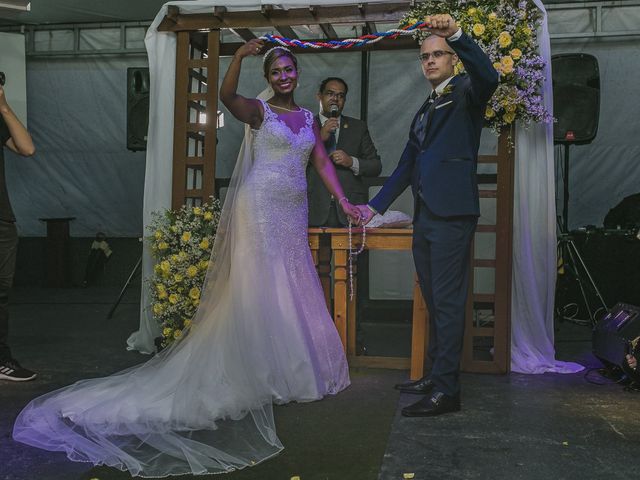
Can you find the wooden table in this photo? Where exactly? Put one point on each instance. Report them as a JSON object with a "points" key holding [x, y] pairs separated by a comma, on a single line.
{"points": [[323, 242]]}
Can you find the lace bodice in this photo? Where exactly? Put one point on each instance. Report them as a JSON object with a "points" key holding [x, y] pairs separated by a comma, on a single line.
{"points": [[278, 148]]}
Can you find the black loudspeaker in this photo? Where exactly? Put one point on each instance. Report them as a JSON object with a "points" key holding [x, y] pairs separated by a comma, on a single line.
{"points": [[138, 86], [614, 334], [576, 98]]}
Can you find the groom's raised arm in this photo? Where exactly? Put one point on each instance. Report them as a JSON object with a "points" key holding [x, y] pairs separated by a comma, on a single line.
{"points": [[484, 78]]}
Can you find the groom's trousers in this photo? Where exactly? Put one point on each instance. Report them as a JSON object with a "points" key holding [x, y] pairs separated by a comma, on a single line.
{"points": [[441, 252]]}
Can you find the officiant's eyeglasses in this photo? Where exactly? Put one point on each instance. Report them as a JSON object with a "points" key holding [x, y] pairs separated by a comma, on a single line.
{"points": [[424, 57], [338, 95]]}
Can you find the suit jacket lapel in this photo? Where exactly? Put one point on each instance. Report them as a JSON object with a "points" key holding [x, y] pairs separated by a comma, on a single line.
{"points": [[432, 109]]}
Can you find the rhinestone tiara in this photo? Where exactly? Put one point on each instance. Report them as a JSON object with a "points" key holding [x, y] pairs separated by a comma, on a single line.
{"points": [[264, 58]]}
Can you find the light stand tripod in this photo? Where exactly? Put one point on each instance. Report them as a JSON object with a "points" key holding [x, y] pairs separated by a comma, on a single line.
{"points": [[124, 288], [573, 266]]}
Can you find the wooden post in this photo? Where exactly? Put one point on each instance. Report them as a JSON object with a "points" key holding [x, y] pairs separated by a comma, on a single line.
{"points": [[419, 332], [340, 294], [180, 120], [211, 132]]}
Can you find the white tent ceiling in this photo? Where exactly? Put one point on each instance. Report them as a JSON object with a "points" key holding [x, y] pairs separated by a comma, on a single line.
{"points": [[81, 11], [89, 11]]}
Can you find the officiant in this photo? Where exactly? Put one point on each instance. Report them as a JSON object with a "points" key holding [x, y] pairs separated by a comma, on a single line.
{"points": [[352, 151]]}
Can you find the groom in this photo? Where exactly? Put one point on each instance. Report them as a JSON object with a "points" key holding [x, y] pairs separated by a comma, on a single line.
{"points": [[439, 162]]}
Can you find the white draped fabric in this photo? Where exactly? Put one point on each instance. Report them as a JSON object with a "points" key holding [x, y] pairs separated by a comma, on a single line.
{"points": [[534, 240]]}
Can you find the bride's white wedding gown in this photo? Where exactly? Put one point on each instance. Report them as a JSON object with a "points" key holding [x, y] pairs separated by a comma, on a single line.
{"points": [[262, 334]]}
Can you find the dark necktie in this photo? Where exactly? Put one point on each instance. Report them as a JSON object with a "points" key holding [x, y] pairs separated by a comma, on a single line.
{"points": [[421, 127], [330, 144]]}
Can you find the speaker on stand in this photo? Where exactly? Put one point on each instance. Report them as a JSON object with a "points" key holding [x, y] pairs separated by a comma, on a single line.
{"points": [[576, 106], [138, 88]]}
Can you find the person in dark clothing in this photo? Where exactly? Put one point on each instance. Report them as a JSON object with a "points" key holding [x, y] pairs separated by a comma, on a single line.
{"points": [[349, 145], [16, 138]]}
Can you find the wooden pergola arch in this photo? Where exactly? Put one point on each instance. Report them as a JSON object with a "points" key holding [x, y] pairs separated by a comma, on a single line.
{"points": [[199, 47]]}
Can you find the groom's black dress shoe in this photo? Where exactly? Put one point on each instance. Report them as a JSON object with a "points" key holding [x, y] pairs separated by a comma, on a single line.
{"points": [[422, 386], [432, 405]]}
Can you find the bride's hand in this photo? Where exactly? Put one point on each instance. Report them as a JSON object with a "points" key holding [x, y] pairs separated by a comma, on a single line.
{"points": [[252, 47], [350, 211]]}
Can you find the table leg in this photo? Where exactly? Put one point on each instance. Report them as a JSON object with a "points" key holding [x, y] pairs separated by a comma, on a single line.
{"points": [[419, 332], [324, 268], [351, 313], [340, 294]]}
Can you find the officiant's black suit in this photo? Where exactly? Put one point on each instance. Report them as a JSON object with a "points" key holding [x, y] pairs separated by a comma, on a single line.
{"points": [[355, 140]]}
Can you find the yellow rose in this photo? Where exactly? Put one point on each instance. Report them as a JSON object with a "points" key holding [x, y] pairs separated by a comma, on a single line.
{"points": [[203, 264], [163, 246], [507, 64], [489, 113], [186, 236], [472, 11], [194, 293], [192, 271], [187, 323], [516, 53], [166, 332], [182, 255], [512, 107], [158, 234], [178, 278], [157, 308], [160, 288], [492, 16], [208, 215], [165, 266], [173, 228], [196, 302], [504, 40], [498, 67], [177, 334], [157, 269], [197, 211], [509, 117], [204, 244], [411, 20], [173, 299], [478, 29]]}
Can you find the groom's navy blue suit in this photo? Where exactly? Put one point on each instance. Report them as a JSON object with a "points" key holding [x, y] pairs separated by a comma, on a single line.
{"points": [[439, 162]]}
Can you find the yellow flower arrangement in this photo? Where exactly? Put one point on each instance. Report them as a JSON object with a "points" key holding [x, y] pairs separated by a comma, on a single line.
{"points": [[504, 29], [192, 271], [506, 64], [504, 39], [181, 243], [479, 29]]}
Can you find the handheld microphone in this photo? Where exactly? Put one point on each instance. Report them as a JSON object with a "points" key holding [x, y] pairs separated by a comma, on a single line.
{"points": [[333, 113]]}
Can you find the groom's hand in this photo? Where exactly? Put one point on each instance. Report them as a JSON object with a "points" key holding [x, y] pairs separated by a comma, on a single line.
{"points": [[441, 25], [366, 214]]}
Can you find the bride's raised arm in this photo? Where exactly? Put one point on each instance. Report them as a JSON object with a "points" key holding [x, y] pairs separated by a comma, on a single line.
{"points": [[247, 110]]}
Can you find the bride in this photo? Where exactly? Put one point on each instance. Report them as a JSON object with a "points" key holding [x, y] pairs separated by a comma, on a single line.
{"points": [[262, 334]]}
